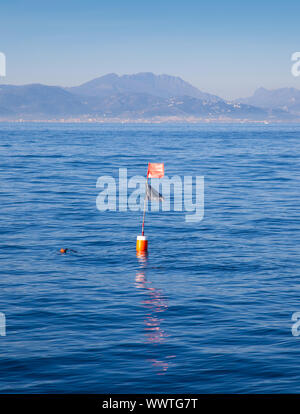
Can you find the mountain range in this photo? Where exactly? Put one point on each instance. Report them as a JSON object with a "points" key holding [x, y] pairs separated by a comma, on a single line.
{"points": [[142, 96], [286, 99]]}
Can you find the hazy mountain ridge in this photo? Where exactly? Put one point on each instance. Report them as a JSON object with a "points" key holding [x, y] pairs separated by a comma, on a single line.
{"points": [[140, 96], [164, 86], [287, 99], [37, 99]]}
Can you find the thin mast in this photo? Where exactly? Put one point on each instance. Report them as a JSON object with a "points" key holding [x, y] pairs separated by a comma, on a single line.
{"points": [[145, 200]]}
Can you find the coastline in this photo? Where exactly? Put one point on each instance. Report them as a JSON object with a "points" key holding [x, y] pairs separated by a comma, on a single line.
{"points": [[156, 120]]}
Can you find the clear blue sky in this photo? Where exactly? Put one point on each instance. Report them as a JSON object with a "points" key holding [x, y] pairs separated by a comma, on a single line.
{"points": [[224, 47]]}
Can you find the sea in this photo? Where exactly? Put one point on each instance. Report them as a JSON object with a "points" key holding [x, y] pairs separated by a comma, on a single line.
{"points": [[212, 307]]}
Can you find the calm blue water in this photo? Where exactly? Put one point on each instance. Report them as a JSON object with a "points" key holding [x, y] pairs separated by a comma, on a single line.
{"points": [[208, 311]]}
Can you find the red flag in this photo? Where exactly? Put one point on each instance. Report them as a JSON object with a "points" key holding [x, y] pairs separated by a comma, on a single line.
{"points": [[155, 170]]}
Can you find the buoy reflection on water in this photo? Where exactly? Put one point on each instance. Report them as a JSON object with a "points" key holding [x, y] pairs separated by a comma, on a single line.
{"points": [[155, 304]]}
